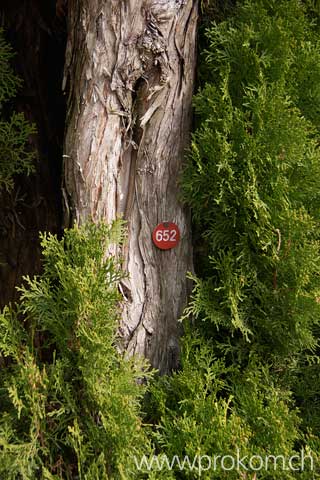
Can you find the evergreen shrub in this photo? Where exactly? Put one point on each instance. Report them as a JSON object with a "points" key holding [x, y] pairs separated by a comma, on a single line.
{"points": [[209, 411], [69, 401], [253, 179]]}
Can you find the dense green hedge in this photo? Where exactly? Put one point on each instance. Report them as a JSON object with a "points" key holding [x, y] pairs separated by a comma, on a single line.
{"points": [[254, 176]]}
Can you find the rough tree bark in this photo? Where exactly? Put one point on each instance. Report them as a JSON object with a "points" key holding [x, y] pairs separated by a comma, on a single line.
{"points": [[129, 77]]}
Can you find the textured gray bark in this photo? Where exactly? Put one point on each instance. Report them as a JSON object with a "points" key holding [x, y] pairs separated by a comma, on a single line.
{"points": [[129, 77]]}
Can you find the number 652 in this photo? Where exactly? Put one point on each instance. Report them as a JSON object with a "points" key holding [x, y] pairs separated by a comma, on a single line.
{"points": [[166, 235]]}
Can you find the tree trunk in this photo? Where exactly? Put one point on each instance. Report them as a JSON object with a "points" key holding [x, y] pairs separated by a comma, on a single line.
{"points": [[129, 76]]}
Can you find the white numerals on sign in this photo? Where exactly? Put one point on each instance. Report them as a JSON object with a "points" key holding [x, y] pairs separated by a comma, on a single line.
{"points": [[166, 235]]}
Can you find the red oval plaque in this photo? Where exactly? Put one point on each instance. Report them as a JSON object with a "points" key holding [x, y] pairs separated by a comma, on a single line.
{"points": [[166, 235]]}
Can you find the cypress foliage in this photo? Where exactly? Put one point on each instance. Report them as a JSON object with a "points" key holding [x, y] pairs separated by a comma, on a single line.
{"points": [[16, 156], [214, 411], [253, 178], [69, 401]]}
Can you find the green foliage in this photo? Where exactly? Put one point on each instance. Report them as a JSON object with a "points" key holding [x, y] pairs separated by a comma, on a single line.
{"points": [[208, 409], [9, 82], [16, 156], [69, 401], [253, 178], [253, 184]]}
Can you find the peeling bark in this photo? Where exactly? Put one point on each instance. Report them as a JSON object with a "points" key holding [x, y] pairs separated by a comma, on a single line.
{"points": [[129, 76]]}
